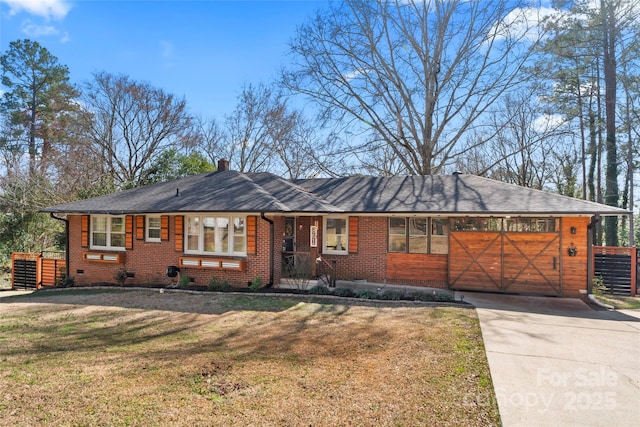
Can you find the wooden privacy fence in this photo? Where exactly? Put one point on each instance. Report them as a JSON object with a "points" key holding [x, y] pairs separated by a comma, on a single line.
{"points": [[35, 270], [617, 266]]}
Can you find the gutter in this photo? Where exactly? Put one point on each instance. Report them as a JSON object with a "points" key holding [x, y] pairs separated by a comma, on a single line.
{"points": [[66, 244], [271, 247]]}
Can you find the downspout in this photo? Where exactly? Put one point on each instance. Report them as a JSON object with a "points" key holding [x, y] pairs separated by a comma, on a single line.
{"points": [[590, 230], [271, 247], [66, 244]]}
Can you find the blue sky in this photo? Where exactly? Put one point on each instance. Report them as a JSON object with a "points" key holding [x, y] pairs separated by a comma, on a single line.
{"points": [[203, 50]]}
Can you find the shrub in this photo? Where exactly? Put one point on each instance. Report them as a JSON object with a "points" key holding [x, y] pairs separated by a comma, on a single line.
{"points": [[320, 290], [391, 295], [66, 282], [121, 276], [344, 292], [217, 285], [443, 297], [298, 271], [598, 288], [255, 284], [184, 281], [432, 297], [367, 294]]}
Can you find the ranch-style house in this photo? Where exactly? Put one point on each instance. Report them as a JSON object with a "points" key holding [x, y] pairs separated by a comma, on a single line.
{"points": [[459, 231]]}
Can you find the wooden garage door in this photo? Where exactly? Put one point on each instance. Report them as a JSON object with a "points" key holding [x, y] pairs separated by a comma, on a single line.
{"points": [[475, 261], [505, 262], [531, 263]]}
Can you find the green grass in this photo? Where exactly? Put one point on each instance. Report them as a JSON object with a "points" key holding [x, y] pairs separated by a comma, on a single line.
{"points": [[126, 357], [620, 301]]}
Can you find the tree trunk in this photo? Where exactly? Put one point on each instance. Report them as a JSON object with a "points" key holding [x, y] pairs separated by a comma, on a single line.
{"points": [[611, 173]]}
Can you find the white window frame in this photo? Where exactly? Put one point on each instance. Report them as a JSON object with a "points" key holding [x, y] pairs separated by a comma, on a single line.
{"points": [[345, 250], [108, 231], [147, 222], [230, 238]]}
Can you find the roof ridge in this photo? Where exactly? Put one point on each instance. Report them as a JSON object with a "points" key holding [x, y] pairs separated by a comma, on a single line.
{"points": [[301, 191], [261, 189]]}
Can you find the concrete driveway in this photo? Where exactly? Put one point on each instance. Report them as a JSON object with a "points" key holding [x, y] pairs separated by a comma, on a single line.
{"points": [[558, 362]]}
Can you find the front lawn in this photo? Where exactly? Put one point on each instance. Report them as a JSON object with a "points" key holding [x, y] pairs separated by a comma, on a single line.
{"points": [[620, 301], [148, 358]]}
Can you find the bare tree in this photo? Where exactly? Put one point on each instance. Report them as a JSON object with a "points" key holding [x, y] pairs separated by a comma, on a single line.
{"points": [[252, 128], [413, 76], [131, 123], [264, 134], [524, 144], [211, 140]]}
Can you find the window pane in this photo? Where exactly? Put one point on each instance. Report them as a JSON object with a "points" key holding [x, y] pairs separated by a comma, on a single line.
{"points": [[397, 226], [223, 229], [397, 233], [99, 224], [439, 227], [397, 243], [478, 224], [539, 225], [417, 226], [239, 244], [439, 236], [209, 233], [192, 233], [117, 225], [418, 244], [238, 225], [99, 231], [153, 227], [192, 243], [239, 240], [336, 234], [117, 240], [418, 235], [192, 225], [336, 225], [99, 239]]}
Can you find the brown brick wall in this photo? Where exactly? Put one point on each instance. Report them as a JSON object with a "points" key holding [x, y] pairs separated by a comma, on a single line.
{"points": [[370, 261], [148, 261]]}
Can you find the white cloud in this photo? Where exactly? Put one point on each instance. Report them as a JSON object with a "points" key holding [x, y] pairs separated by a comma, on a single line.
{"points": [[33, 30], [524, 23], [48, 9], [547, 122]]}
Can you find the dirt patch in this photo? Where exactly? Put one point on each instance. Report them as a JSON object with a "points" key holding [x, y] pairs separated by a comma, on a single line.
{"points": [[105, 357]]}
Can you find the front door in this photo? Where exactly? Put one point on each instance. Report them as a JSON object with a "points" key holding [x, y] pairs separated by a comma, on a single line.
{"points": [[289, 246]]}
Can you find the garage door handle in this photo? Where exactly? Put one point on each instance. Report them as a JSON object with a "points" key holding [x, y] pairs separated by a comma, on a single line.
{"points": [[555, 263]]}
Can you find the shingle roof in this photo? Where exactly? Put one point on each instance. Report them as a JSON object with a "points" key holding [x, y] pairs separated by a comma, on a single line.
{"points": [[232, 191], [446, 194]]}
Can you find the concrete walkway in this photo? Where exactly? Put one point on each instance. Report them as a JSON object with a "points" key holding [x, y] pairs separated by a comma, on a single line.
{"points": [[12, 293], [558, 362]]}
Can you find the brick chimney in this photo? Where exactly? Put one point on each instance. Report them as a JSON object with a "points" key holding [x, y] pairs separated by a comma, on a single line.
{"points": [[223, 165]]}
